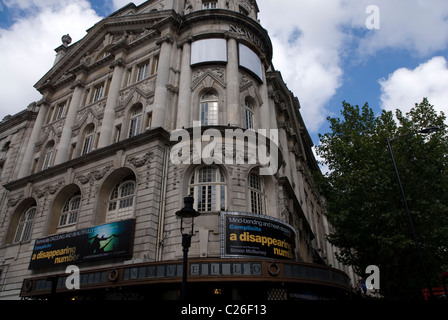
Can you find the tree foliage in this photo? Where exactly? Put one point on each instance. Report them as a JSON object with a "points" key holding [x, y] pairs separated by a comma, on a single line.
{"points": [[364, 200]]}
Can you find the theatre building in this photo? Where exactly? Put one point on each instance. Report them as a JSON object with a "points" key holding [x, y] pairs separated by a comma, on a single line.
{"points": [[158, 102]]}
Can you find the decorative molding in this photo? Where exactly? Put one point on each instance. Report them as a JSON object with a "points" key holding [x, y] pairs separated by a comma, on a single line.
{"points": [[93, 175], [139, 161], [13, 201], [49, 189]]}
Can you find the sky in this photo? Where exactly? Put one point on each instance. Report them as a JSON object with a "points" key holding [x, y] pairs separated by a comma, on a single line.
{"points": [[388, 53]]}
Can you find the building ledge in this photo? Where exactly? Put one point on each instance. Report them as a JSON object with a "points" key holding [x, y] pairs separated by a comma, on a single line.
{"points": [[141, 139]]}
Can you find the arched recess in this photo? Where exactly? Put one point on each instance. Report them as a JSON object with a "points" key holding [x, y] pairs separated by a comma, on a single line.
{"points": [[57, 206], [16, 217], [115, 179]]}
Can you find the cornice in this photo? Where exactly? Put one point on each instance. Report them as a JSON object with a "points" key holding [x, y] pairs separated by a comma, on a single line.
{"points": [[232, 17], [157, 134]]}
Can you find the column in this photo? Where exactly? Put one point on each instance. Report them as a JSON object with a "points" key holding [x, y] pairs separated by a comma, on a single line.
{"points": [[63, 148], [233, 83], [184, 104], [107, 127], [163, 75], [27, 160]]}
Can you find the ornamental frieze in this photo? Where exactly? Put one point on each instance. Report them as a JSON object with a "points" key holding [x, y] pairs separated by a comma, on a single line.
{"points": [[49, 189], [97, 174]]}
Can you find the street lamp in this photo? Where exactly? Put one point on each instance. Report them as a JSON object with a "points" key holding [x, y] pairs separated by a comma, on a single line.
{"points": [[186, 215], [411, 223]]}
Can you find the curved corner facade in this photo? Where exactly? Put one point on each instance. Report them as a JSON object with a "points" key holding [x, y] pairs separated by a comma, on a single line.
{"points": [[158, 102]]}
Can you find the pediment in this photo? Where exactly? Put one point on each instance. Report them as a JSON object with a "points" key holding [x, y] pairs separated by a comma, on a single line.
{"points": [[89, 114], [142, 93], [208, 77], [99, 46]]}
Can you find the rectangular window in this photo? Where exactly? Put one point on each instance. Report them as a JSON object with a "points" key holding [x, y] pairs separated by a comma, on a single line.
{"points": [[98, 92], [209, 113], [129, 77], [59, 112], [47, 161], [117, 133], [209, 50], [250, 60], [143, 71], [210, 5], [87, 145], [155, 64], [249, 119]]}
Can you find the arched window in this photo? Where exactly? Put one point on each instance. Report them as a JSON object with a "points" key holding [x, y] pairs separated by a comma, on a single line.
{"points": [[257, 195], [208, 187], [209, 109], [249, 114], [49, 150], [88, 140], [135, 121], [69, 214], [121, 200], [25, 225]]}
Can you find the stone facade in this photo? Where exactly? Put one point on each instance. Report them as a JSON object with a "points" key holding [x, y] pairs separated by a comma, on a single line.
{"points": [[103, 126]]}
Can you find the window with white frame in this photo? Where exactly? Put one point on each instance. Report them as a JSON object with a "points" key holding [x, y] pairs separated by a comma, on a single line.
{"points": [[209, 109], [143, 71], [121, 200], [88, 140], [23, 232], [48, 155], [69, 214], [256, 194], [208, 187], [59, 111], [98, 92], [135, 121], [210, 4], [249, 114]]}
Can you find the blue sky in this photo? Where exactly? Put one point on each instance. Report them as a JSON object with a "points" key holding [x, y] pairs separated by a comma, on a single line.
{"points": [[323, 48]]}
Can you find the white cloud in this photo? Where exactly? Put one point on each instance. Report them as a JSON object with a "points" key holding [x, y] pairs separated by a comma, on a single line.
{"points": [[403, 88], [118, 4], [419, 26], [307, 40], [314, 38], [27, 46]]}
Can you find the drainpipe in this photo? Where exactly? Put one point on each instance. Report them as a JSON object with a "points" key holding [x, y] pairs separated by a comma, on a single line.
{"points": [[161, 225]]}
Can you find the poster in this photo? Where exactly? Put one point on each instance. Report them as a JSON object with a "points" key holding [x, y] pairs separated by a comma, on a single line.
{"points": [[253, 235], [100, 242]]}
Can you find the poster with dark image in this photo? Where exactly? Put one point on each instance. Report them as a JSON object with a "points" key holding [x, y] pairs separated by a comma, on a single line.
{"points": [[101, 242]]}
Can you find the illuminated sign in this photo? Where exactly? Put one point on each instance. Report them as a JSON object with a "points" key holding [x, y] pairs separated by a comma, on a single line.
{"points": [[251, 235], [100, 242]]}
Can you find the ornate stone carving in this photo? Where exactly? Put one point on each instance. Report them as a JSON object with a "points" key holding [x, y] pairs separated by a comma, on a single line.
{"points": [[46, 190], [13, 201], [96, 174], [216, 73], [141, 160]]}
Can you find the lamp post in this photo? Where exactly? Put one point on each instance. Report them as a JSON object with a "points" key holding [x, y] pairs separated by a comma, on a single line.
{"points": [[411, 223], [186, 215]]}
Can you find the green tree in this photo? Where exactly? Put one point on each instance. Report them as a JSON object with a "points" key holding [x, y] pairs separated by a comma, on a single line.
{"points": [[364, 200]]}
